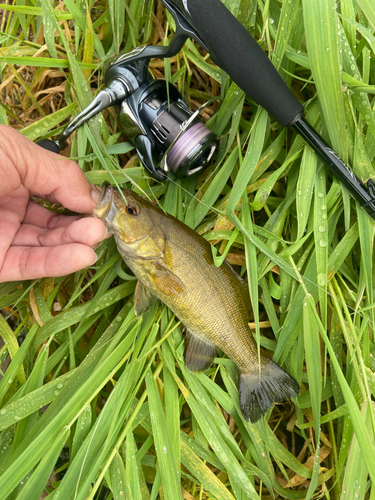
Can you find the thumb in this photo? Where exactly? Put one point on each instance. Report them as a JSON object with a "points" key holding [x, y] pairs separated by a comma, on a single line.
{"points": [[42, 172]]}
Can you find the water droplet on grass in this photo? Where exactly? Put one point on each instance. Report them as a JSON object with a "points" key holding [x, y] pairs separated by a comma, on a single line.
{"points": [[322, 279]]}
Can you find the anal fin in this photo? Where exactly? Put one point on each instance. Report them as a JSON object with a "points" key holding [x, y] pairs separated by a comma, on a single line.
{"points": [[199, 353]]}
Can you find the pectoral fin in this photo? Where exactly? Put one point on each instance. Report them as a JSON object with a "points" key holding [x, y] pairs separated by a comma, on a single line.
{"points": [[143, 299], [167, 282], [199, 354]]}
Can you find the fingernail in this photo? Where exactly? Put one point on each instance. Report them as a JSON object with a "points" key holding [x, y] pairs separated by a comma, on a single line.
{"points": [[95, 195], [96, 258]]}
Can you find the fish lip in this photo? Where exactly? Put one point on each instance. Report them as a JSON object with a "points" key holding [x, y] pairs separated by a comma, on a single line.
{"points": [[105, 193], [104, 203]]}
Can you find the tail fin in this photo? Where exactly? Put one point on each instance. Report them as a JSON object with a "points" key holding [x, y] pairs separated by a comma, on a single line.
{"points": [[257, 394]]}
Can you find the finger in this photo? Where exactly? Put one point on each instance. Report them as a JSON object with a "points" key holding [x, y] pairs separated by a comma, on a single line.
{"points": [[12, 210], [42, 172], [44, 218], [23, 263], [88, 231]]}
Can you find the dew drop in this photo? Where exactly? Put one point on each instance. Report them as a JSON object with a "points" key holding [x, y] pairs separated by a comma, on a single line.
{"points": [[59, 386], [56, 393], [3, 411], [17, 417], [322, 279], [323, 243], [322, 229]]}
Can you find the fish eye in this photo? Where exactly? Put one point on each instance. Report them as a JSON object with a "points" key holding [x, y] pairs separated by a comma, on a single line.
{"points": [[132, 210]]}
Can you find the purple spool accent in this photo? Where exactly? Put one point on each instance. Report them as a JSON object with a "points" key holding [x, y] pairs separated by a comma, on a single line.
{"points": [[186, 145]]}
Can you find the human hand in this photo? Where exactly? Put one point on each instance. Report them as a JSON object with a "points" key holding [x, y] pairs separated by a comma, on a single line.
{"points": [[35, 242]]}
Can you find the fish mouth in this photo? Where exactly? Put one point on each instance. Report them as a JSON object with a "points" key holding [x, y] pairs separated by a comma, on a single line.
{"points": [[104, 203]]}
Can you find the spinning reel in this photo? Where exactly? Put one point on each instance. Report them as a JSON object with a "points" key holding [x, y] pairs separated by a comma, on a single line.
{"points": [[168, 136]]}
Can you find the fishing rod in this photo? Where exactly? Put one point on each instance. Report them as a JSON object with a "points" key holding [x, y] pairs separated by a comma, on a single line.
{"points": [[234, 50], [167, 135]]}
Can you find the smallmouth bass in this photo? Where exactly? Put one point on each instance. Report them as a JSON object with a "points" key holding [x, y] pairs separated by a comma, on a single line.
{"points": [[174, 264]]}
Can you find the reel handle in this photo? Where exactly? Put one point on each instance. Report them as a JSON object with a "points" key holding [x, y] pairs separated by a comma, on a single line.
{"points": [[240, 56]]}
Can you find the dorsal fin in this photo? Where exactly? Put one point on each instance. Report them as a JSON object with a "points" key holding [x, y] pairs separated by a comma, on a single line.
{"points": [[244, 286]]}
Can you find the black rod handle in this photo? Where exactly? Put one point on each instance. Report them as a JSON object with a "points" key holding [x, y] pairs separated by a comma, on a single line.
{"points": [[237, 53]]}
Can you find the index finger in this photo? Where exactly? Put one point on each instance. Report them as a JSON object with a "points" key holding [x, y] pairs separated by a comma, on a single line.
{"points": [[42, 172]]}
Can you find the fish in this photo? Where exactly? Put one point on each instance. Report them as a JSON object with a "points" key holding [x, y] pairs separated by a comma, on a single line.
{"points": [[175, 265]]}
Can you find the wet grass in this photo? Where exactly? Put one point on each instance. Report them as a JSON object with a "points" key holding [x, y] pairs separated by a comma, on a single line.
{"points": [[111, 390]]}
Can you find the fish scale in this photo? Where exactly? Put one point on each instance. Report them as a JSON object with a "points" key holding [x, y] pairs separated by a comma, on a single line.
{"points": [[173, 263]]}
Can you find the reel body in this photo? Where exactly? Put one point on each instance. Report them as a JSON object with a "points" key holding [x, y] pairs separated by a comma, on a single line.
{"points": [[165, 131]]}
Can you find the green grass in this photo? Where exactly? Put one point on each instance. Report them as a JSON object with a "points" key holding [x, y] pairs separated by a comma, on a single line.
{"points": [[117, 399]]}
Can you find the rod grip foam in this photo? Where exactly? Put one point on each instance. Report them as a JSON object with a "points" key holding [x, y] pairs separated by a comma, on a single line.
{"points": [[240, 56]]}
